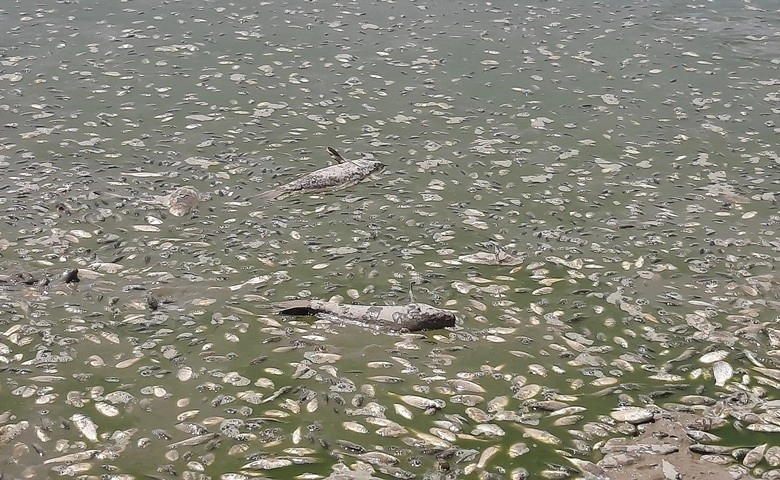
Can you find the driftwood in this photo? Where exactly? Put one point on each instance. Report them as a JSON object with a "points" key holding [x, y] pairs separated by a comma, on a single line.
{"points": [[411, 317]]}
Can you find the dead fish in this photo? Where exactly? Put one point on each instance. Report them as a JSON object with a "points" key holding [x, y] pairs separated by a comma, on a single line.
{"points": [[181, 201], [196, 440], [11, 431], [541, 436], [517, 449], [635, 415], [772, 456], [487, 455], [85, 425], [754, 456], [461, 385], [498, 257], [377, 458], [269, 463], [411, 317], [342, 175], [73, 457], [722, 371], [423, 403], [488, 430]]}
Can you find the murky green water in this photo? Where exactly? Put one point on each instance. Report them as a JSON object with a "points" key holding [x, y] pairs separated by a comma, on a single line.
{"points": [[628, 152]]}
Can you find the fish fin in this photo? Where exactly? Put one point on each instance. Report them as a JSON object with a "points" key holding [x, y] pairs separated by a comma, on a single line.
{"points": [[336, 156]]}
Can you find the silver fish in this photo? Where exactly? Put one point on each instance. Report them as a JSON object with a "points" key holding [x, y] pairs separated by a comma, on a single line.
{"points": [[411, 317], [342, 175]]}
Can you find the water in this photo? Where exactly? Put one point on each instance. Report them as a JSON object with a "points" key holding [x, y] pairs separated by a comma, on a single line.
{"points": [[638, 140]]}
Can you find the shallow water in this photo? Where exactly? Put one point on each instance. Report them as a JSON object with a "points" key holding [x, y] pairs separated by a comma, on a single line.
{"points": [[628, 153]]}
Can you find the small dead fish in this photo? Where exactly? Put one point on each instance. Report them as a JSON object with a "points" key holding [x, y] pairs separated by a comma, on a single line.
{"points": [[497, 403], [350, 446], [355, 427], [428, 441], [277, 394], [72, 470], [772, 456], [423, 403], [567, 420], [192, 441], [754, 456], [764, 427], [517, 449], [342, 175], [497, 257], [713, 357], [588, 467], [378, 458], [385, 379], [488, 430], [85, 425], [487, 455], [569, 410], [634, 415], [73, 457], [541, 436], [527, 391], [372, 409], [268, 463], [11, 431], [465, 386], [403, 411], [722, 371]]}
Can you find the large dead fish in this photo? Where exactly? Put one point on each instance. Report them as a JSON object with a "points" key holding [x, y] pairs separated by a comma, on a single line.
{"points": [[411, 317], [335, 177]]}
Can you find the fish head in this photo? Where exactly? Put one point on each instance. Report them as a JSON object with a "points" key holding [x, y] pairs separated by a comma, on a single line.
{"points": [[431, 318], [367, 168], [375, 167]]}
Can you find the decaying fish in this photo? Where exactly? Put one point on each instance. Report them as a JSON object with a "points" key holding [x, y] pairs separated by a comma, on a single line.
{"points": [[180, 202], [85, 425], [411, 317], [498, 257], [342, 175]]}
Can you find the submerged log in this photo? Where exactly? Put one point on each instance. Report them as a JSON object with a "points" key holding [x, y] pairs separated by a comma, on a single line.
{"points": [[411, 317]]}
